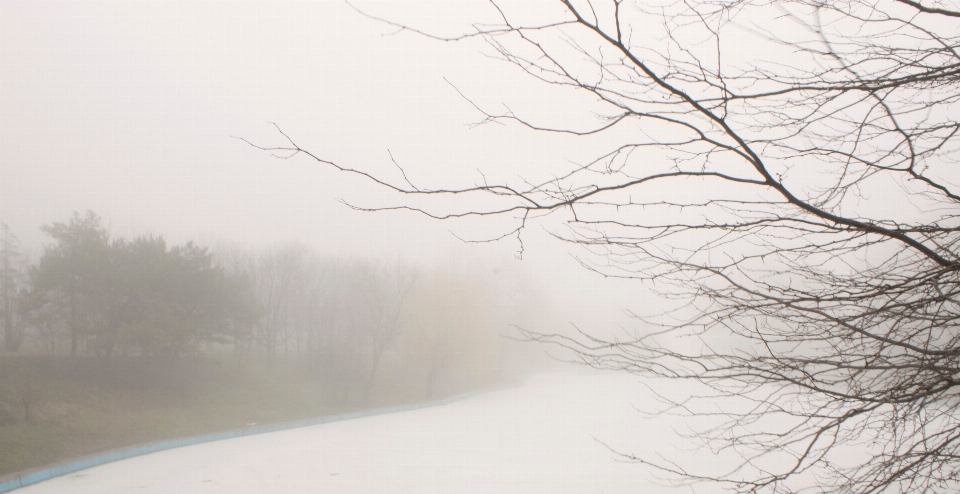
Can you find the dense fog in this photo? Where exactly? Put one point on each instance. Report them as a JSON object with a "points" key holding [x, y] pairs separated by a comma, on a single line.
{"points": [[712, 241]]}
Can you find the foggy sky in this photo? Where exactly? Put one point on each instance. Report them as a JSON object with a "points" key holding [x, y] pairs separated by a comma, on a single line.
{"points": [[132, 109]]}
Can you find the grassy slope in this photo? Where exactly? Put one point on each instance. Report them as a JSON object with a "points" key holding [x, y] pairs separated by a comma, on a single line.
{"points": [[81, 408]]}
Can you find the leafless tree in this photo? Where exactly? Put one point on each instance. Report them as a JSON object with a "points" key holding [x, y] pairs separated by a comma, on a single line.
{"points": [[40, 312], [337, 341], [279, 280], [240, 266], [449, 318], [383, 290], [782, 171], [453, 336], [12, 278], [13, 265]]}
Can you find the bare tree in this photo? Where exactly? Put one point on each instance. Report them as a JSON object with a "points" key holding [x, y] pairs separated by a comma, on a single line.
{"points": [[383, 290], [452, 340], [12, 279], [42, 313], [338, 342], [782, 171], [279, 281], [239, 265], [441, 317]]}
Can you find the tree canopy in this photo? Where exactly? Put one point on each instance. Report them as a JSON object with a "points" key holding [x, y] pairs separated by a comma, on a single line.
{"points": [[119, 296]]}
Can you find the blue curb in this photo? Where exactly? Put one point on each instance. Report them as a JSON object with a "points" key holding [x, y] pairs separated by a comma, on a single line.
{"points": [[92, 461]]}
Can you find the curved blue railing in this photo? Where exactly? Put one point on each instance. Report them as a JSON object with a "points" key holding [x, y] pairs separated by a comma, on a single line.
{"points": [[92, 461]]}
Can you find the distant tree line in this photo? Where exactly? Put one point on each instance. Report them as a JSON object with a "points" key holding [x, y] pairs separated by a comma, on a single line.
{"points": [[355, 321], [352, 321]]}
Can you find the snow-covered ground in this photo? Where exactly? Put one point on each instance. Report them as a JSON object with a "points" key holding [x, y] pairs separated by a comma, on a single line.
{"points": [[539, 437]]}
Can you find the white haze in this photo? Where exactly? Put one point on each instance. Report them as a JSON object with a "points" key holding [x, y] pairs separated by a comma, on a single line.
{"points": [[131, 109]]}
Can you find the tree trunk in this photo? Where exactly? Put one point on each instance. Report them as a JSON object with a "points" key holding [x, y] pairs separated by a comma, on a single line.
{"points": [[368, 388], [431, 378], [73, 325]]}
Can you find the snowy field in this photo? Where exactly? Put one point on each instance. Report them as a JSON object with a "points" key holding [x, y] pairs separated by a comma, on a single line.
{"points": [[538, 437]]}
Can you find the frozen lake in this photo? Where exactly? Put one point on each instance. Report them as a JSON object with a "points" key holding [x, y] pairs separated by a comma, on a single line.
{"points": [[536, 437]]}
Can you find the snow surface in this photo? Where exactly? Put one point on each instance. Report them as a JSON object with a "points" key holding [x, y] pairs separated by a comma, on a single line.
{"points": [[540, 437]]}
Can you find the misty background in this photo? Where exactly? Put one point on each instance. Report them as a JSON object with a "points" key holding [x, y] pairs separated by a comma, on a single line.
{"points": [[132, 110], [203, 226], [127, 121]]}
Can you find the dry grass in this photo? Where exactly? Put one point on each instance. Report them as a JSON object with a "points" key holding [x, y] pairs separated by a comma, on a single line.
{"points": [[82, 407]]}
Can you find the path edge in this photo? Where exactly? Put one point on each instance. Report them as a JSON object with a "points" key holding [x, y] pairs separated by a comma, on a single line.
{"points": [[48, 473]]}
